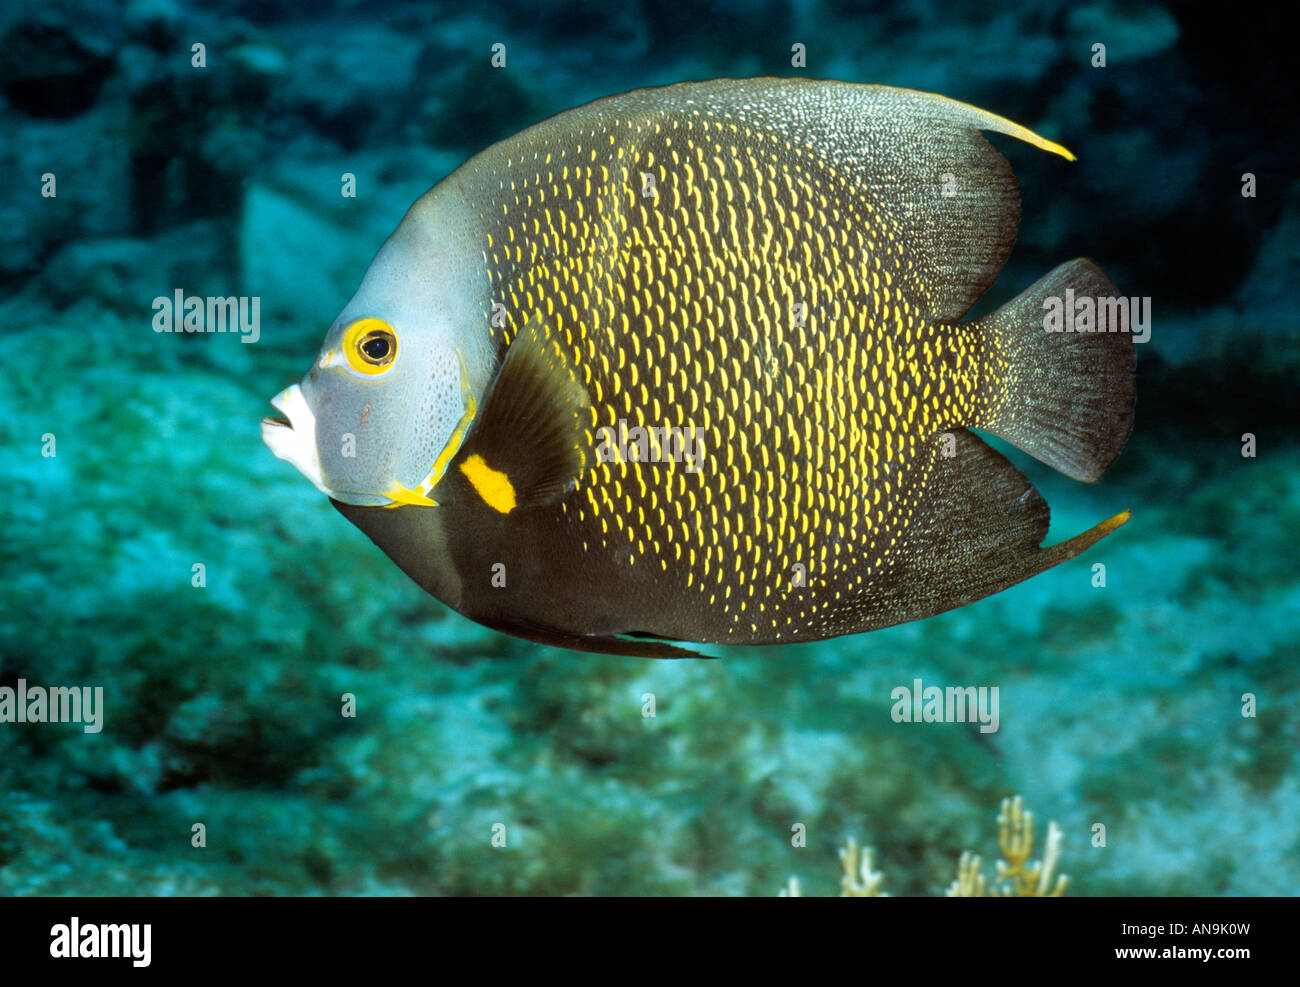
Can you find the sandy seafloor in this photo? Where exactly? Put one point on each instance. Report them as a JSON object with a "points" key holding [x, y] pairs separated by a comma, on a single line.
{"points": [[1120, 705]]}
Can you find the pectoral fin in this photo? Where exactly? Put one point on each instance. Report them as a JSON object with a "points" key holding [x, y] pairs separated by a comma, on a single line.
{"points": [[529, 444]]}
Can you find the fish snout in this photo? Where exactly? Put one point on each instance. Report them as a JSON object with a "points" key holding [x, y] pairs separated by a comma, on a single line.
{"points": [[293, 436]]}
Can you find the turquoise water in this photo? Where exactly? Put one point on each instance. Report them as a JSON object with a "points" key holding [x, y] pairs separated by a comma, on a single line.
{"points": [[1120, 705]]}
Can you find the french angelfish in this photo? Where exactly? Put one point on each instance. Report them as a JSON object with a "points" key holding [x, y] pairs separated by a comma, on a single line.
{"points": [[687, 364]]}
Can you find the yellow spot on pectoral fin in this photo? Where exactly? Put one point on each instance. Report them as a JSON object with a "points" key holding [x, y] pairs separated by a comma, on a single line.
{"points": [[492, 485]]}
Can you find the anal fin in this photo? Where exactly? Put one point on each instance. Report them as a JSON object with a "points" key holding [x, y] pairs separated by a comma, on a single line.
{"points": [[978, 530]]}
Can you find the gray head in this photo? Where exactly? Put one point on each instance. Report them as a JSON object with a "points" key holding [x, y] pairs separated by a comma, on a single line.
{"points": [[387, 401]]}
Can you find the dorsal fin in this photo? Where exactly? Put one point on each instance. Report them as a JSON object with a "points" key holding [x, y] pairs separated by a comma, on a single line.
{"points": [[944, 192], [526, 448], [948, 195]]}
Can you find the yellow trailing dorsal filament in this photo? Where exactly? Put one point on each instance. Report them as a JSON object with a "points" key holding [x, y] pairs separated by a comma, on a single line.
{"points": [[964, 114]]}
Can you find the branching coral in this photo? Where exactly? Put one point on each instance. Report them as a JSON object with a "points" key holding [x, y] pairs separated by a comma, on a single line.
{"points": [[1018, 876], [859, 880]]}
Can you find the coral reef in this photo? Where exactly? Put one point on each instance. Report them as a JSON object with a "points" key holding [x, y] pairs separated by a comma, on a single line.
{"points": [[1017, 875]]}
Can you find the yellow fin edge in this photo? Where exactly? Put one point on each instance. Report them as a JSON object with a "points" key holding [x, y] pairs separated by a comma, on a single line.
{"points": [[985, 120], [419, 497]]}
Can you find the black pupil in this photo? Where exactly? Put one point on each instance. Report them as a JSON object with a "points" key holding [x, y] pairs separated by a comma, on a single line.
{"points": [[376, 347]]}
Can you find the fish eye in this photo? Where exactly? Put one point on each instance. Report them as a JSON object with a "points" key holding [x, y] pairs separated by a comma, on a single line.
{"points": [[370, 346]]}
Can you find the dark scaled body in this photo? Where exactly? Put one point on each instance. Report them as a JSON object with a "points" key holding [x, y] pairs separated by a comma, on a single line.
{"points": [[778, 269]]}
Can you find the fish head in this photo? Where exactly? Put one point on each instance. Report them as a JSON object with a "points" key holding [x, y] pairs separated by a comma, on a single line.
{"points": [[387, 401]]}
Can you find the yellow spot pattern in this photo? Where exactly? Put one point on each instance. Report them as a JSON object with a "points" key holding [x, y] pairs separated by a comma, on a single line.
{"points": [[700, 272]]}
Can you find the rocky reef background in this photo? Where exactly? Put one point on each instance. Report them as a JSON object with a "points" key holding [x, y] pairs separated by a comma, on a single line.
{"points": [[1120, 705]]}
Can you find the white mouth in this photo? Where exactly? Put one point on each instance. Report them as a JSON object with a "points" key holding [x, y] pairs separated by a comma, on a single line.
{"points": [[295, 441]]}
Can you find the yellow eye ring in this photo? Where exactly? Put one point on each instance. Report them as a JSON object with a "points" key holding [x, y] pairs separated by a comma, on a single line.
{"points": [[370, 346]]}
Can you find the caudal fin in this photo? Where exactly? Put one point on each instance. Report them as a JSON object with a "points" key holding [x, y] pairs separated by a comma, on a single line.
{"points": [[1066, 398]]}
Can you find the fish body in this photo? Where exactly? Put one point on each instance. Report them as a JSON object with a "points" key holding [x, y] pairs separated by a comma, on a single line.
{"points": [[688, 364]]}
